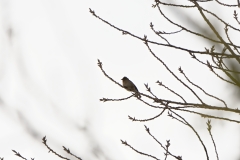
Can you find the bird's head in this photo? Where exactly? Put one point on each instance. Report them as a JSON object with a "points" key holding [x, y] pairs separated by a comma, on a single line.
{"points": [[124, 78]]}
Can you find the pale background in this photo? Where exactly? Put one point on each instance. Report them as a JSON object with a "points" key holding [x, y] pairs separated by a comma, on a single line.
{"points": [[50, 83]]}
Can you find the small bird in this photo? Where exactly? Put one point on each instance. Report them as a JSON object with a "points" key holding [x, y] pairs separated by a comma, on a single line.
{"points": [[129, 85]]}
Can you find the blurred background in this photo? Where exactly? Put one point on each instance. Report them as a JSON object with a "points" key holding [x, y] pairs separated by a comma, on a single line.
{"points": [[50, 84]]}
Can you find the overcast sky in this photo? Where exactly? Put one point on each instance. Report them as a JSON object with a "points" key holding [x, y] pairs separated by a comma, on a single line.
{"points": [[50, 83]]}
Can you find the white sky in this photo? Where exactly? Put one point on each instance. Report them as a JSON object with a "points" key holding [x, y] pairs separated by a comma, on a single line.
{"points": [[50, 83]]}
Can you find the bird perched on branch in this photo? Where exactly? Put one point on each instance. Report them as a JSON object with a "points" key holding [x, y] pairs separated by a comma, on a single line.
{"points": [[130, 86]]}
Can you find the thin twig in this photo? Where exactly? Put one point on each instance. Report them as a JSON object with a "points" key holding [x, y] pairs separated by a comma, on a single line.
{"points": [[69, 152], [161, 84], [148, 131], [203, 89], [209, 130], [44, 141], [145, 120], [204, 147], [148, 155]]}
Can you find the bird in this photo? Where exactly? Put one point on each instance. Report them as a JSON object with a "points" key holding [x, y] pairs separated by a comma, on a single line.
{"points": [[130, 86]]}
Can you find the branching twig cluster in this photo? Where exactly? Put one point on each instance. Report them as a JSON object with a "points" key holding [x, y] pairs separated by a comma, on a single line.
{"points": [[218, 62], [44, 141]]}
